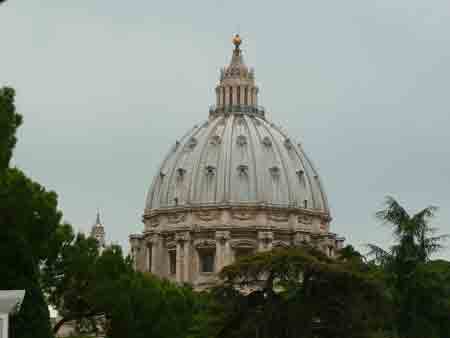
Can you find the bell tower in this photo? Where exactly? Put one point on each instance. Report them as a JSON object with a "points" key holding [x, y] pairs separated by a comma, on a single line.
{"points": [[98, 231]]}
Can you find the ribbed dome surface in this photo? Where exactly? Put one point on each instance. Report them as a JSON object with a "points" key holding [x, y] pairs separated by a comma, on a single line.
{"points": [[236, 159]]}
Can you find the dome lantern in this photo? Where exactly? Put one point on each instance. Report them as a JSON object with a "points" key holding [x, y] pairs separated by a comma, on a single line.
{"points": [[236, 90]]}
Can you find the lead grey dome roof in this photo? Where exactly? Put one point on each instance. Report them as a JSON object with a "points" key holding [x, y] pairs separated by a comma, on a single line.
{"points": [[236, 159]]}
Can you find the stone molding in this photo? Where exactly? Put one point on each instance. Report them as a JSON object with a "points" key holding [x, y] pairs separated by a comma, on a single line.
{"points": [[222, 236], [254, 207], [243, 243], [176, 217], [266, 236], [207, 215], [182, 237]]}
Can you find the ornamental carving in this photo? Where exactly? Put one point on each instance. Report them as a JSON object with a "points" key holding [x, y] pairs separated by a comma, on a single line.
{"points": [[241, 140], [303, 219], [215, 140], [190, 145], [280, 244], [288, 144], [182, 237], [207, 215], [243, 243], [242, 215], [153, 239], [278, 217], [274, 171], [154, 221], [266, 236], [171, 245], [267, 142], [242, 170], [204, 243], [301, 239], [222, 236], [176, 218]]}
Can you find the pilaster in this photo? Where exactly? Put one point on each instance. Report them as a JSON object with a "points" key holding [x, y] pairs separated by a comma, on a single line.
{"points": [[183, 241], [222, 249]]}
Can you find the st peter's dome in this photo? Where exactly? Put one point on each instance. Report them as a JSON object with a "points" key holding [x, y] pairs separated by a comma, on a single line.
{"points": [[232, 185]]}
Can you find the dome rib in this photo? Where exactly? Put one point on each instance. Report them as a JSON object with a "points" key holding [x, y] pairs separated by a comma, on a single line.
{"points": [[282, 162]]}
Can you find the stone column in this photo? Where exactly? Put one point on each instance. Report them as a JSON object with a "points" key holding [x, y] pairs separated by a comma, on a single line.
{"points": [[235, 96], [241, 88], [155, 249], [179, 261], [182, 256], [222, 249], [227, 96], [187, 259], [265, 239], [217, 96], [220, 92]]}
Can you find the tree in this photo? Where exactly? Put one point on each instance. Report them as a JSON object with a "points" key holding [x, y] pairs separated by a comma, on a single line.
{"points": [[70, 278], [408, 271], [10, 120], [28, 218], [103, 290], [295, 293]]}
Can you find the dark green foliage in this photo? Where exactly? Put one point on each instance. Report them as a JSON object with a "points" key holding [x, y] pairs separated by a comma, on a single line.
{"points": [[20, 272], [418, 287], [149, 307], [9, 122], [295, 293], [105, 290], [28, 219]]}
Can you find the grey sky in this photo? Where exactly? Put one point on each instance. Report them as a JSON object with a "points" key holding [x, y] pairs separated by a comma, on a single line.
{"points": [[106, 87]]}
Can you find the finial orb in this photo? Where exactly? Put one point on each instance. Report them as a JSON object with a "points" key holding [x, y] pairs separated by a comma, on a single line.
{"points": [[237, 40]]}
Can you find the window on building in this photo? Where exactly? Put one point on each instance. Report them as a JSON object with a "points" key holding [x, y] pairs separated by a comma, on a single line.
{"points": [[172, 262], [207, 258], [330, 251], [149, 258]]}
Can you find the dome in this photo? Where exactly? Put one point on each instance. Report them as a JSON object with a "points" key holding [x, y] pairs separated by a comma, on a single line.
{"points": [[237, 158], [231, 186]]}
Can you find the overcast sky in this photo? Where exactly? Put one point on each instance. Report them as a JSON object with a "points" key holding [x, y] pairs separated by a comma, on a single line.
{"points": [[106, 87]]}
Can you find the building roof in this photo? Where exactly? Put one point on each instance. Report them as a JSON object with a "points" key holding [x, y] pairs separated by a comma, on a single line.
{"points": [[237, 156], [9, 299]]}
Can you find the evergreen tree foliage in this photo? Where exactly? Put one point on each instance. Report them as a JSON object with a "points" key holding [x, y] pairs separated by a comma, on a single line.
{"points": [[10, 120], [28, 219], [295, 293], [102, 289]]}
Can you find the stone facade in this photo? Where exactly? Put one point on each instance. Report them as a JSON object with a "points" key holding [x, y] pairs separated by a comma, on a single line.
{"points": [[175, 250], [232, 186]]}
